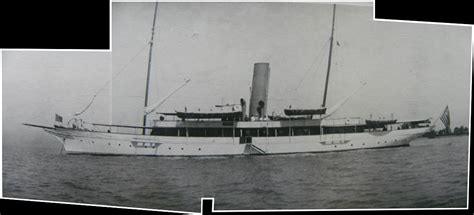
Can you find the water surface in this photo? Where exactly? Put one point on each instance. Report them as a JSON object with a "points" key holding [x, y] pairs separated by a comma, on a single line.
{"points": [[430, 173]]}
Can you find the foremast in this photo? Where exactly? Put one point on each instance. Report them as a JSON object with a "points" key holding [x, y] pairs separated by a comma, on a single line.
{"points": [[149, 66], [330, 56], [322, 110]]}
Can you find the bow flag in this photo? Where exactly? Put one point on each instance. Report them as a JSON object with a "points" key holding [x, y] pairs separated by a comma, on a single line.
{"points": [[58, 118], [446, 119]]}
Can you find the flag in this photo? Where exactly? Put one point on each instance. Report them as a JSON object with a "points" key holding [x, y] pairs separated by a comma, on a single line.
{"points": [[446, 119], [58, 118]]}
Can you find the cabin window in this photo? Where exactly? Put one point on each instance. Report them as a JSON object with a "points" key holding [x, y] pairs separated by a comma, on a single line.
{"points": [[271, 132], [350, 129], [262, 132], [165, 131], [228, 132], [214, 132], [314, 131], [196, 132], [250, 132], [181, 132], [300, 131], [306, 131], [174, 132], [326, 130], [282, 131], [209, 132], [330, 130], [238, 132]]}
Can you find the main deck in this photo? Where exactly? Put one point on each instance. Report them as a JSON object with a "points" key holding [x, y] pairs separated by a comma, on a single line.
{"points": [[261, 128]]}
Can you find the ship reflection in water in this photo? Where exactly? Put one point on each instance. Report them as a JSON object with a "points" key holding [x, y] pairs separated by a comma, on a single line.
{"points": [[403, 177]]}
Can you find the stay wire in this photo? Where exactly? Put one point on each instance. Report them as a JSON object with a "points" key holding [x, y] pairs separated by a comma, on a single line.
{"points": [[113, 78], [317, 59]]}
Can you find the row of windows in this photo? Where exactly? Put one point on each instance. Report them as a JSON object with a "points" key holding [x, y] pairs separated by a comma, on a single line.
{"points": [[253, 132]]}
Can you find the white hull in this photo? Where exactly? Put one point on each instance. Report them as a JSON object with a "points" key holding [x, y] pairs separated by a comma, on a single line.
{"points": [[85, 142]]}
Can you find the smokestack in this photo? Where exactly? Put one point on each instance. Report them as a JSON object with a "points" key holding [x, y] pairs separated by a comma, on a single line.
{"points": [[259, 95]]}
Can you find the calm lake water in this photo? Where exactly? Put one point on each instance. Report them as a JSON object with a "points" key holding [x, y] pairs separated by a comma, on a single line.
{"points": [[430, 173]]}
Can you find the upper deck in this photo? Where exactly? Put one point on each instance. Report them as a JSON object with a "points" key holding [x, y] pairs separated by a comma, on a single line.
{"points": [[257, 123], [237, 124]]}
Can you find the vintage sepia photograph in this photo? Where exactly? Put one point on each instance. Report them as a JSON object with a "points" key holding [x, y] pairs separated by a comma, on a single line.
{"points": [[261, 106]]}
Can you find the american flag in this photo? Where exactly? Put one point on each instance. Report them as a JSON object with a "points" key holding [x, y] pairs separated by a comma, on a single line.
{"points": [[446, 119]]}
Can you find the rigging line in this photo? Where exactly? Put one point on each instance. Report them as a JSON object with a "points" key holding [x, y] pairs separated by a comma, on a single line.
{"points": [[148, 110], [108, 82], [207, 77], [317, 59], [338, 105]]}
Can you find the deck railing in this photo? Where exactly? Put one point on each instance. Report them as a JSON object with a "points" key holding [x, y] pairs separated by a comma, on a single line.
{"points": [[121, 129]]}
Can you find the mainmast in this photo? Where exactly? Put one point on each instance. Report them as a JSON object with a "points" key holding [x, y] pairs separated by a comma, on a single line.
{"points": [[149, 66], [330, 55]]}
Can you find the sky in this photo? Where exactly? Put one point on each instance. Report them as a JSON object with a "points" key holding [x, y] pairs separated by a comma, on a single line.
{"points": [[411, 70]]}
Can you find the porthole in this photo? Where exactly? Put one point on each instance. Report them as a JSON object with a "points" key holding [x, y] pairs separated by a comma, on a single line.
{"points": [[363, 144], [182, 148], [80, 140], [335, 146], [119, 144], [378, 142], [169, 148], [92, 141], [199, 149], [385, 141], [352, 145], [130, 145], [109, 144]]}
